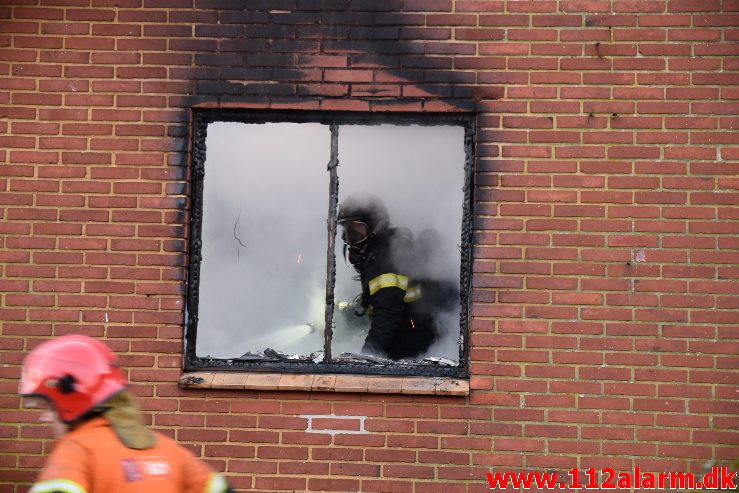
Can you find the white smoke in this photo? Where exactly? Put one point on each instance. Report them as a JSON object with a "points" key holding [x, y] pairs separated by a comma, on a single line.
{"points": [[264, 236]]}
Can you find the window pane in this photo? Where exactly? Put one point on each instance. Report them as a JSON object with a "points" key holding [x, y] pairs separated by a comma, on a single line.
{"points": [[418, 172], [263, 269]]}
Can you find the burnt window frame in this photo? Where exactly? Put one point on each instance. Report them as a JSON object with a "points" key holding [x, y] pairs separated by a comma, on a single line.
{"points": [[202, 117]]}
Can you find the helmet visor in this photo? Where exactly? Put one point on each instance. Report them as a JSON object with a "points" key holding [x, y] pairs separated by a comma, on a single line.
{"points": [[355, 232]]}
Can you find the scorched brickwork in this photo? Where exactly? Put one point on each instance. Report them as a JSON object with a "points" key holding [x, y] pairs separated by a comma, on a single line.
{"points": [[604, 315]]}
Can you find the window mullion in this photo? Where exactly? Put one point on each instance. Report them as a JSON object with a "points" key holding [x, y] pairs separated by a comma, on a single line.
{"points": [[330, 255]]}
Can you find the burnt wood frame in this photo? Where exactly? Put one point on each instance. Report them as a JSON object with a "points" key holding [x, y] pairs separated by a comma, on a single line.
{"points": [[201, 117]]}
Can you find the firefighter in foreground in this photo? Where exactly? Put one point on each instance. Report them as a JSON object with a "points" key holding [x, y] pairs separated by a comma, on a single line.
{"points": [[103, 445], [400, 325]]}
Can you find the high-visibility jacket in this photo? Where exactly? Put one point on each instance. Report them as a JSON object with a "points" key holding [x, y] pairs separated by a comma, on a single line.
{"points": [[92, 459]]}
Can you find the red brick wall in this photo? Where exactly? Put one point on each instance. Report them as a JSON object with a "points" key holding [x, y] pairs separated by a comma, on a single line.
{"points": [[605, 294]]}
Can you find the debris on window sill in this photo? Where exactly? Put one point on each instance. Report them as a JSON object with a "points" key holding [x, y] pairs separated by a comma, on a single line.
{"points": [[270, 354]]}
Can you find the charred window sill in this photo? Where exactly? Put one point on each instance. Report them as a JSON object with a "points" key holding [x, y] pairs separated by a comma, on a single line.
{"points": [[326, 383]]}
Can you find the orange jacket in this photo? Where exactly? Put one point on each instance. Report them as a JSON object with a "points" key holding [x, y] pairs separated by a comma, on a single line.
{"points": [[91, 459]]}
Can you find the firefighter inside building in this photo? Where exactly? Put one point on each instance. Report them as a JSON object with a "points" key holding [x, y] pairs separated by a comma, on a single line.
{"points": [[103, 444], [399, 299]]}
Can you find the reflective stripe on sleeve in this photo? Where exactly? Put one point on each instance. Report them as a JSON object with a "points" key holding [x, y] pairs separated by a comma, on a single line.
{"points": [[52, 485], [216, 484], [388, 280], [413, 294]]}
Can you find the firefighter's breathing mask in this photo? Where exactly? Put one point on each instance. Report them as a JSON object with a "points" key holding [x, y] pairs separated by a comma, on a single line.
{"points": [[355, 235], [355, 232]]}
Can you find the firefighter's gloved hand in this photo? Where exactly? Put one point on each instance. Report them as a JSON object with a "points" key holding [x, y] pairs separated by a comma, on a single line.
{"points": [[350, 316], [346, 308]]}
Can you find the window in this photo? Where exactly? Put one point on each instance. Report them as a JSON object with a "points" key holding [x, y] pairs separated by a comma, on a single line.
{"points": [[268, 267]]}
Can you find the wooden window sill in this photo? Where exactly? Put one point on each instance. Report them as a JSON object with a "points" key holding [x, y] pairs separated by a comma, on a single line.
{"points": [[326, 383]]}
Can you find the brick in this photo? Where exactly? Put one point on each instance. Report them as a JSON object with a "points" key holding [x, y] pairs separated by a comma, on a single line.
{"points": [[420, 472]]}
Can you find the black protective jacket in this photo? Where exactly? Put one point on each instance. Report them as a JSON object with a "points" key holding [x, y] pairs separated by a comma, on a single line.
{"points": [[399, 328]]}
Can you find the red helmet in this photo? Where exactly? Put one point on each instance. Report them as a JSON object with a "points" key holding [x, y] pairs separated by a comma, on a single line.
{"points": [[75, 373]]}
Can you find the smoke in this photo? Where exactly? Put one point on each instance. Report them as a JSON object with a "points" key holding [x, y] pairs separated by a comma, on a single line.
{"points": [[263, 272], [264, 236]]}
